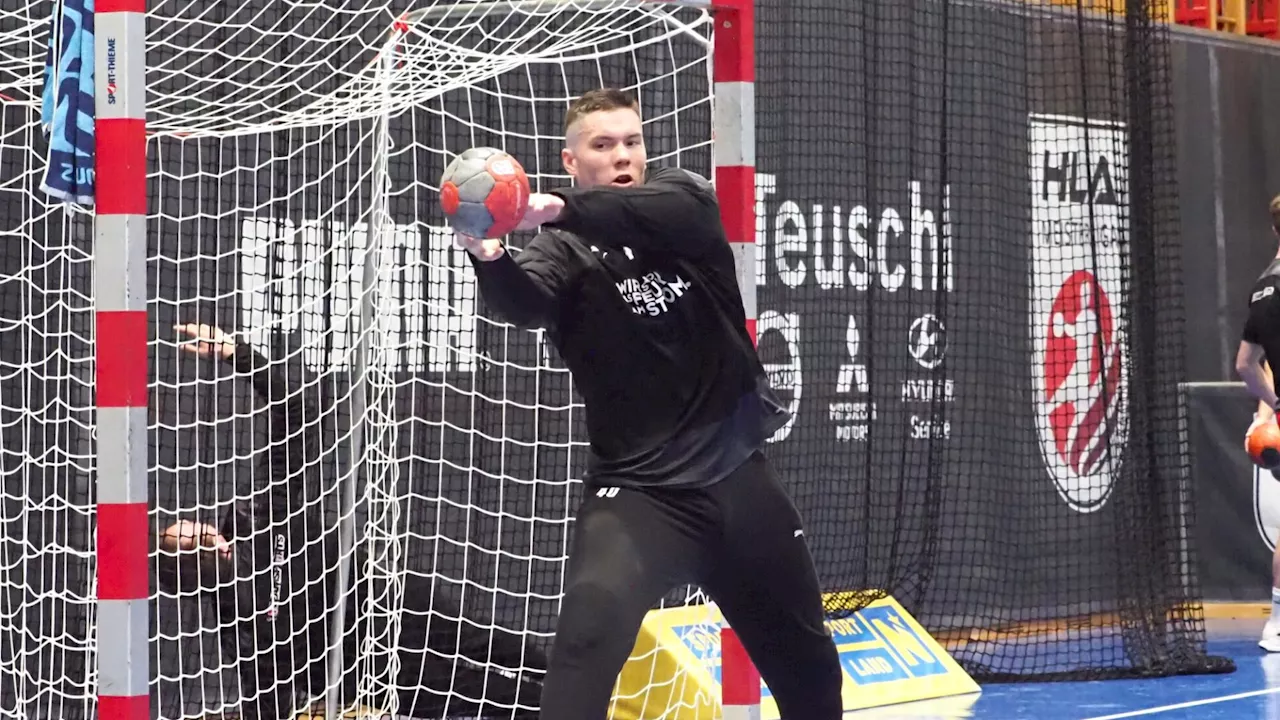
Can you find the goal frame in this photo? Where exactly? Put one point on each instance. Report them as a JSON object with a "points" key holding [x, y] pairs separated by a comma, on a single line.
{"points": [[121, 368]]}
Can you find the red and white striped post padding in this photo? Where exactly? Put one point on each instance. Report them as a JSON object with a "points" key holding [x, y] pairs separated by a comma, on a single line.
{"points": [[734, 142], [739, 679], [733, 70], [120, 345], [734, 74]]}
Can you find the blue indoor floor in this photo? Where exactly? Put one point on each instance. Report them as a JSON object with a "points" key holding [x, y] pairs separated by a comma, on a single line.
{"points": [[1251, 692]]}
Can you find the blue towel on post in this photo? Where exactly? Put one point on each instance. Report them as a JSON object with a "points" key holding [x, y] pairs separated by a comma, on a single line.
{"points": [[66, 110]]}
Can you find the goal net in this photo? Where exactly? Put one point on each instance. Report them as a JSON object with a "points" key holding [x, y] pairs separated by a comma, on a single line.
{"points": [[294, 154]]}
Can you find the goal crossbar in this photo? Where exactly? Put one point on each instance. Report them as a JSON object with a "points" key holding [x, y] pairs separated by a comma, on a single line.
{"points": [[488, 7]]}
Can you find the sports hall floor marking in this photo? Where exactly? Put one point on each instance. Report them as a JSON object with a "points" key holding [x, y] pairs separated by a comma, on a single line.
{"points": [[1189, 704]]}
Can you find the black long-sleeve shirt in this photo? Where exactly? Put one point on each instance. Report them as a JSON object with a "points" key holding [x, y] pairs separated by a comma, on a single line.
{"points": [[638, 291]]}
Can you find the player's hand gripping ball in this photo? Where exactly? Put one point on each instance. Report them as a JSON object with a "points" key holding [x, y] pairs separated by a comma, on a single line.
{"points": [[1263, 444], [485, 193]]}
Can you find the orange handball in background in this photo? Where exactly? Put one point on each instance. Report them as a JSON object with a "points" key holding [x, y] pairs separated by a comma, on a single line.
{"points": [[485, 193], [1263, 445]]}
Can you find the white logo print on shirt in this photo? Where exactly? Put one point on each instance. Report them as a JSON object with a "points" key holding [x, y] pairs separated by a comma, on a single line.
{"points": [[652, 294]]}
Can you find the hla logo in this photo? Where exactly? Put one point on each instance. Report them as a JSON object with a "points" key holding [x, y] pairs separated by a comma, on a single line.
{"points": [[1079, 342], [308, 278]]}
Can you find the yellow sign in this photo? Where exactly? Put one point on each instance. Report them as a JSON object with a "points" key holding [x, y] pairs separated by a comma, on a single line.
{"points": [[888, 658]]}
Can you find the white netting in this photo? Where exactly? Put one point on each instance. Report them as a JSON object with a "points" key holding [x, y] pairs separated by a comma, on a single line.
{"points": [[293, 162], [46, 400]]}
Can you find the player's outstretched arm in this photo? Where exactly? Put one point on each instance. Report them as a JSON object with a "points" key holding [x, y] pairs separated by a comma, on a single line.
{"points": [[524, 290], [295, 415], [277, 383], [674, 211]]}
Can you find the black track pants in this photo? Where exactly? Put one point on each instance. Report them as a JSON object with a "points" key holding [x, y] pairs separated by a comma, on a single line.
{"points": [[741, 541]]}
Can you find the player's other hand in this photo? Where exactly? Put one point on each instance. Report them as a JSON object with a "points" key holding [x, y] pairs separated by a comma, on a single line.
{"points": [[543, 208], [205, 340], [486, 250], [1259, 419], [186, 536]]}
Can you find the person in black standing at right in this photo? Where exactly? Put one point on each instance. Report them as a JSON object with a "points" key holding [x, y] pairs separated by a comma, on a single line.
{"points": [[1259, 344], [635, 281]]}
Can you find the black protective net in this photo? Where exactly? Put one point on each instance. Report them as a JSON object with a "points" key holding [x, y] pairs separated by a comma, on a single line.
{"points": [[962, 208]]}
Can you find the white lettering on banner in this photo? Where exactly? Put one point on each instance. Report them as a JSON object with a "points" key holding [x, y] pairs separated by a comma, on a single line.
{"points": [[1078, 172], [308, 279], [928, 391], [786, 377], [832, 246], [926, 428], [888, 250]]}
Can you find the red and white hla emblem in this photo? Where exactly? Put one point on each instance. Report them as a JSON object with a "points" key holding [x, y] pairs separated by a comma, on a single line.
{"points": [[1079, 344]]}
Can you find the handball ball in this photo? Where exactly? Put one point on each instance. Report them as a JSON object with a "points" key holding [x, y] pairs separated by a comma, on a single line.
{"points": [[485, 193], [1263, 445]]}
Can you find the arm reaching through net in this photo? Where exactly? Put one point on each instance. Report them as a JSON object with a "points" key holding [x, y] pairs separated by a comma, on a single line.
{"points": [[1264, 413], [294, 426], [295, 414]]}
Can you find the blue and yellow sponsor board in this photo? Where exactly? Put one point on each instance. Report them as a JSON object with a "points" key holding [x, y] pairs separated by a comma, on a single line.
{"points": [[887, 658]]}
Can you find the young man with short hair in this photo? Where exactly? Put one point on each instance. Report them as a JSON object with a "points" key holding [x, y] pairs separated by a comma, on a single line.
{"points": [[634, 280]]}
